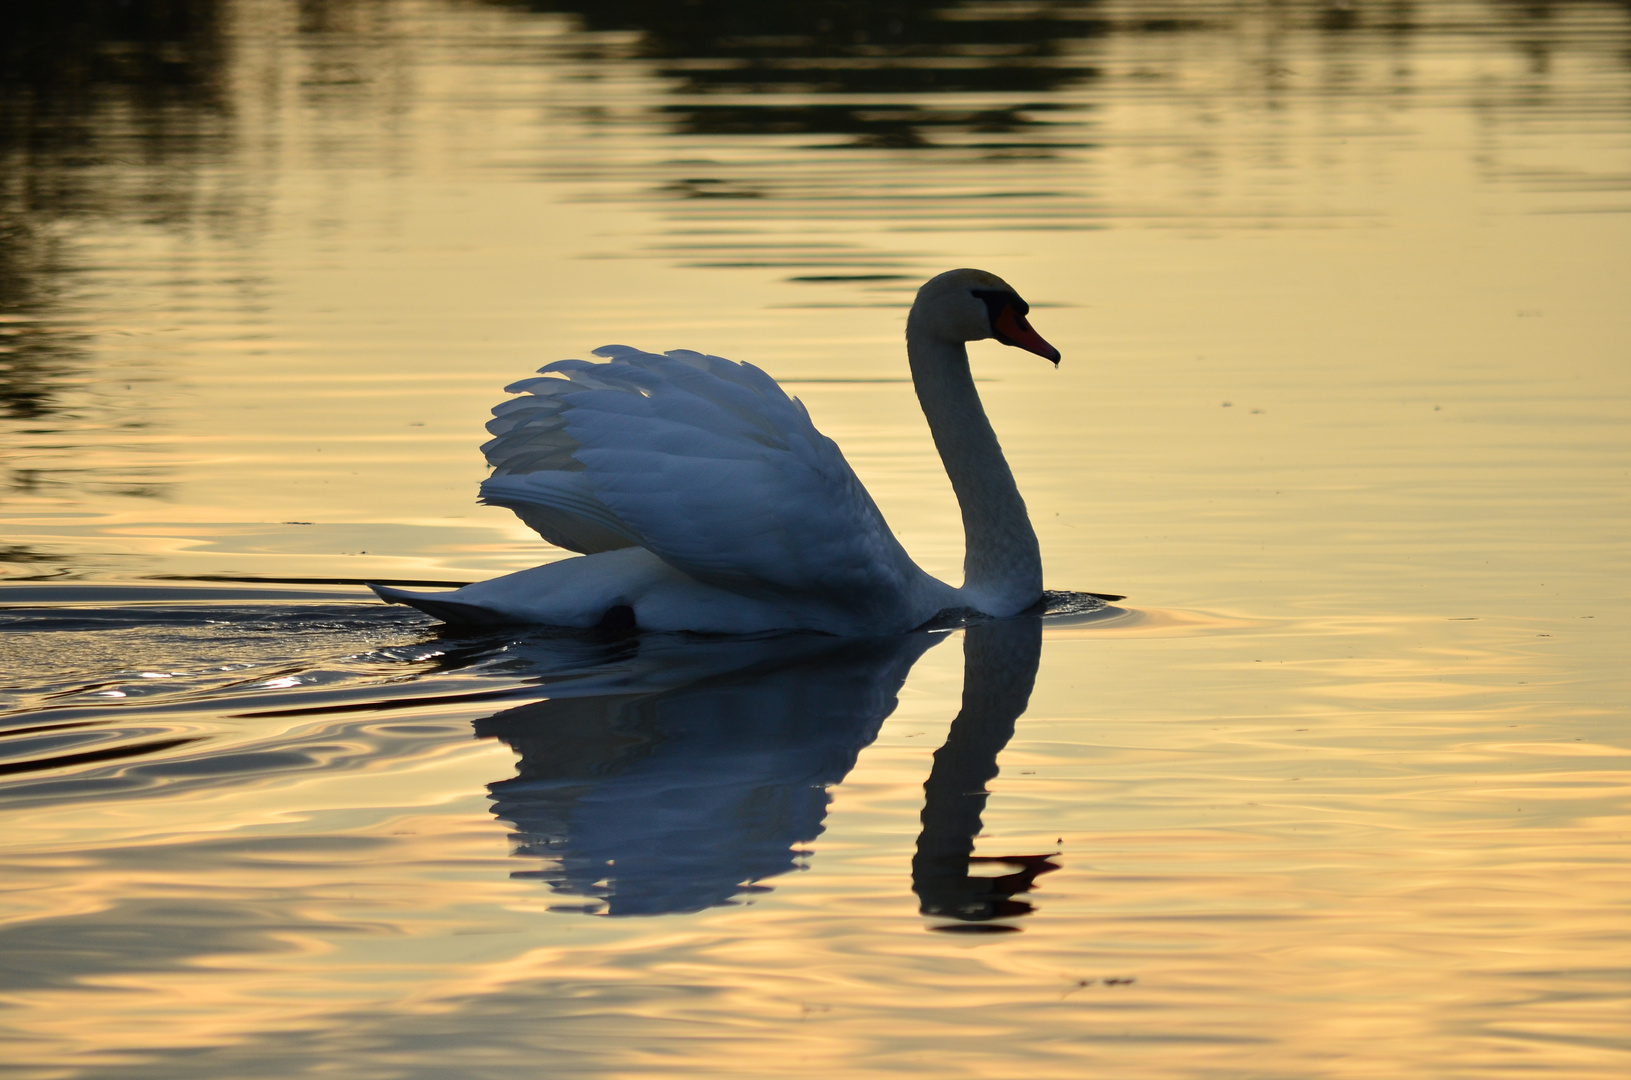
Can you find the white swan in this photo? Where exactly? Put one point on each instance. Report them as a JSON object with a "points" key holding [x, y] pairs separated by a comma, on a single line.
{"points": [[703, 499]]}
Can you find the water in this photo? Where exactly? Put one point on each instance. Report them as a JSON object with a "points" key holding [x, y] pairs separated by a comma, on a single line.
{"points": [[1339, 790]]}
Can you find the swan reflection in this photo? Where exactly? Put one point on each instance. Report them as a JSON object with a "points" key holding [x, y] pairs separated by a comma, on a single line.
{"points": [[683, 773], [999, 668]]}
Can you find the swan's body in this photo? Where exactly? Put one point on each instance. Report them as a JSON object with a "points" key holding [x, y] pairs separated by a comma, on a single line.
{"points": [[702, 497]]}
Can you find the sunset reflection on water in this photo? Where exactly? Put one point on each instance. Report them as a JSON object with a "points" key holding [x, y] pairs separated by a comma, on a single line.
{"points": [[1339, 790]]}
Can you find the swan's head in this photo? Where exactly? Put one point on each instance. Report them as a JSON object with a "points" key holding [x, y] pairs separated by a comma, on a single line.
{"points": [[970, 305]]}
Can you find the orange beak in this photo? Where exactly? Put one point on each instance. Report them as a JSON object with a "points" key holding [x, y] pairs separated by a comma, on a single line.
{"points": [[1012, 329]]}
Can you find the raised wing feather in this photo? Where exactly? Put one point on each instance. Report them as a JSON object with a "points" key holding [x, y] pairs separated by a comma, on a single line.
{"points": [[535, 473], [705, 462]]}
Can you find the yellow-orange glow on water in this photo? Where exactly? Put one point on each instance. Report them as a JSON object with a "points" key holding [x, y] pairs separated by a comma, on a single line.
{"points": [[1340, 790]]}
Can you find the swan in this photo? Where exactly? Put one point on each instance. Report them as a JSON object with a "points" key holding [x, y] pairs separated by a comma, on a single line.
{"points": [[702, 498]]}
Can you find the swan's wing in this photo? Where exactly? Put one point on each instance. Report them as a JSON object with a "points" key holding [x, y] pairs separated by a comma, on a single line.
{"points": [[705, 462], [535, 473]]}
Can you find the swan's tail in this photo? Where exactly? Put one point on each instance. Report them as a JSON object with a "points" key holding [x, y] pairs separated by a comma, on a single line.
{"points": [[436, 605]]}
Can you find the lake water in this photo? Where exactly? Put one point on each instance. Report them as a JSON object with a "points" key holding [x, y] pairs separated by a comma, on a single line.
{"points": [[1341, 789]]}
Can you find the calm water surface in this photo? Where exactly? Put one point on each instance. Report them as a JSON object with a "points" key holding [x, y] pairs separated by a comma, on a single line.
{"points": [[1342, 789]]}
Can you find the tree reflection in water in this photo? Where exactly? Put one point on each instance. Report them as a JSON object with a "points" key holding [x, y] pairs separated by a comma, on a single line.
{"points": [[682, 773], [858, 71], [106, 109]]}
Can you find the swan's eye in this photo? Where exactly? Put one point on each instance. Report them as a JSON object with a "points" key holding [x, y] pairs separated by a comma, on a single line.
{"points": [[998, 299]]}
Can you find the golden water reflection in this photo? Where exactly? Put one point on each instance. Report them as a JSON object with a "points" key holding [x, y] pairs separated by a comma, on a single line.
{"points": [[1247, 867], [283, 282], [1340, 289]]}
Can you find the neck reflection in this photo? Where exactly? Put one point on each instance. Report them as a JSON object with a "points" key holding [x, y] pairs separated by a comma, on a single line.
{"points": [[684, 773], [999, 669]]}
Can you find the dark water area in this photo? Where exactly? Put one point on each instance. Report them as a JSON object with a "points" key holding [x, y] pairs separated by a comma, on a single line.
{"points": [[1340, 790]]}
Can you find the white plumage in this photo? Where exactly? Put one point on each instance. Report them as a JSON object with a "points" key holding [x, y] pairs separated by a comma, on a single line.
{"points": [[702, 497]]}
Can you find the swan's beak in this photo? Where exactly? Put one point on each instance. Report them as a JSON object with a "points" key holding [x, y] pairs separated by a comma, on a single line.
{"points": [[1012, 329]]}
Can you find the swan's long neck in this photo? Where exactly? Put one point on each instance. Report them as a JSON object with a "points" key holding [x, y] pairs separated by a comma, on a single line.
{"points": [[1002, 565]]}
